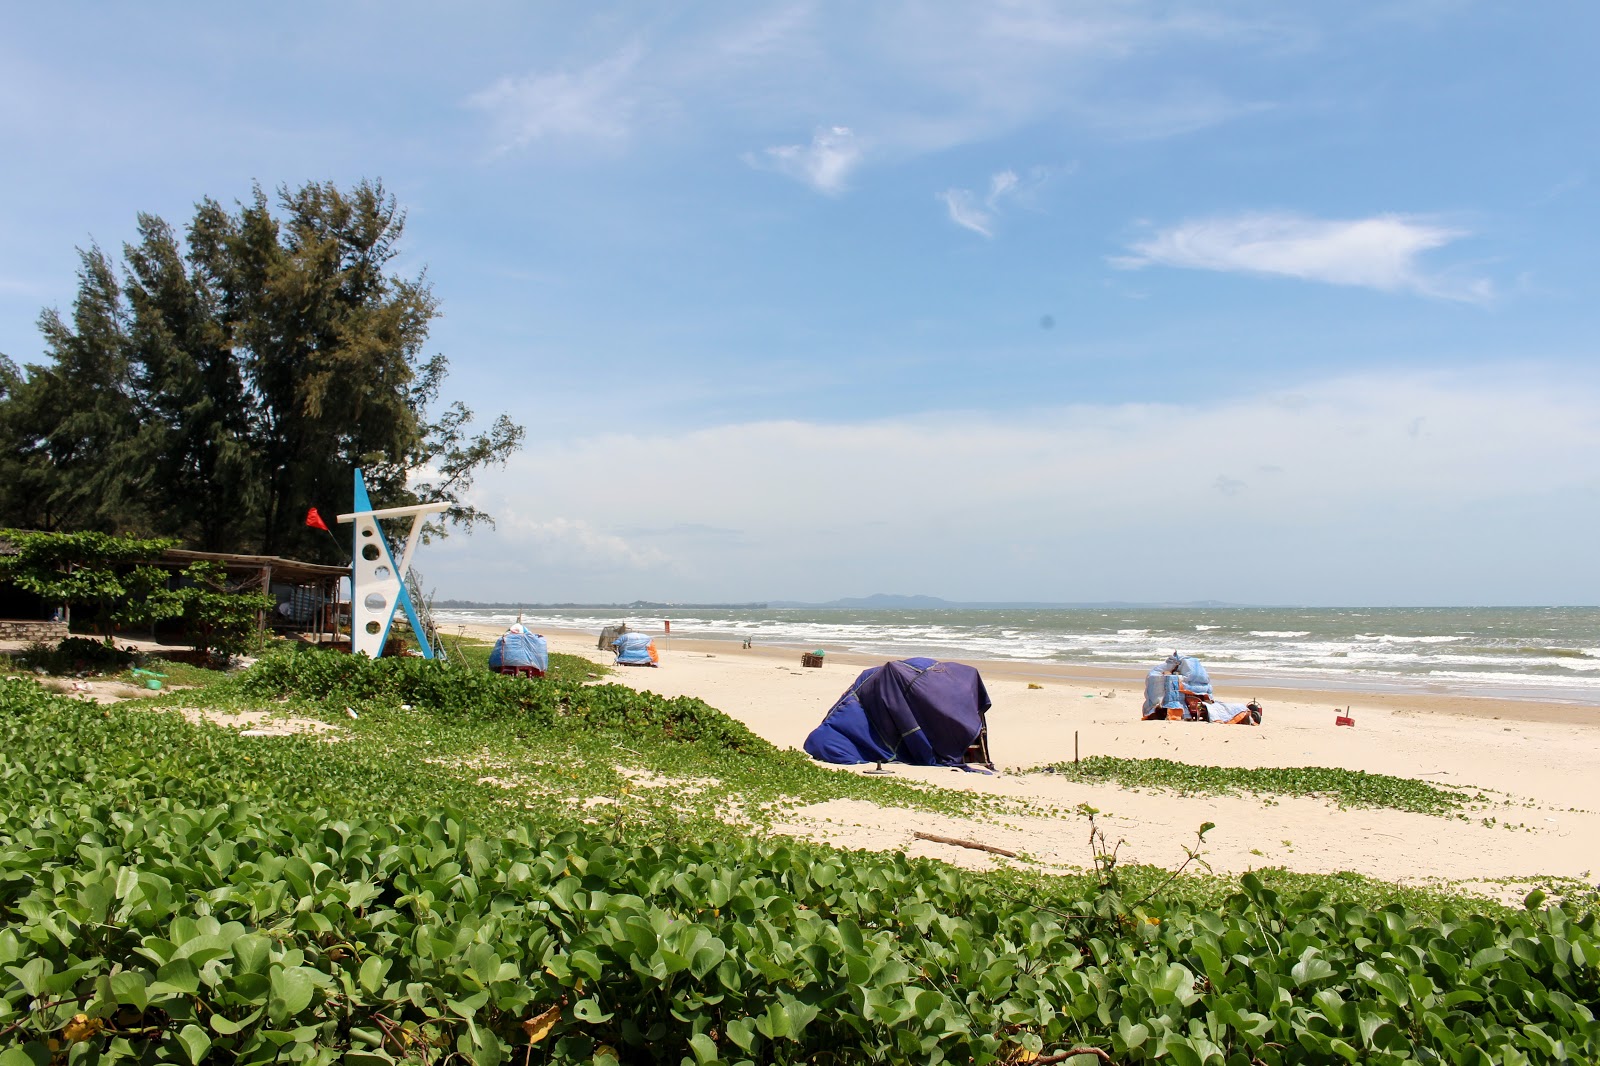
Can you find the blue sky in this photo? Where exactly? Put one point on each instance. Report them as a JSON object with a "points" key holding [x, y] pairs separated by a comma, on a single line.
{"points": [[1260, 302]]}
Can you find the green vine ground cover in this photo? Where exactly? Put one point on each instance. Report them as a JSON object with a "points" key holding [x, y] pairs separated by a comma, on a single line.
{"points": [[1349, 788], [174, 892]]}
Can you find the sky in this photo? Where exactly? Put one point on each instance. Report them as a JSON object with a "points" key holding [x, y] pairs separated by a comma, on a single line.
{"points": [[1288, 303]]}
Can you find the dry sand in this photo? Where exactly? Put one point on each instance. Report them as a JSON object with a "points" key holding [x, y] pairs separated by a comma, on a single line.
{"points": [[1539, 762]]}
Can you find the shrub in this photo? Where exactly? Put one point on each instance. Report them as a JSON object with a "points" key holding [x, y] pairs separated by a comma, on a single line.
{"points": [[450, 689], [76, 654]]}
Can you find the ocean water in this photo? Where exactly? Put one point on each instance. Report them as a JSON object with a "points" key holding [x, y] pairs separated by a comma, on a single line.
{"points": [[1544, 653]]}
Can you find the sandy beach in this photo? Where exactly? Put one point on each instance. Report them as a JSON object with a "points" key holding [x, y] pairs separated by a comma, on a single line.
{"points": [[1536, 762]]}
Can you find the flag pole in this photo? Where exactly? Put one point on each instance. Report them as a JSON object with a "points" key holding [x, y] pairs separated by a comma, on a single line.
{"points": [[314, 521]]}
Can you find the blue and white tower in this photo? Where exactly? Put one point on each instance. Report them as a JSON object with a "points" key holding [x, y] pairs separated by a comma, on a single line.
{"points": [[377, 583]]}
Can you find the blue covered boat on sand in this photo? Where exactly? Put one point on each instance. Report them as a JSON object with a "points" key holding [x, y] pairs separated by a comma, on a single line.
{"points": [[919, 711], [520, 652], [635, 649]]}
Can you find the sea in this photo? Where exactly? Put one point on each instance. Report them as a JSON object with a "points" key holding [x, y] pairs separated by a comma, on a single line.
{"points": [[1534, 653]]}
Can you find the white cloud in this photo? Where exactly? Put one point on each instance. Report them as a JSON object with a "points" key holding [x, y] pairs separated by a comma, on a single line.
{"points": [[1497, 486], [965, 212], [596, 103], [920, 84], [1381, 252], [1001, 184], [577, 543], [824, 164], [962, 204]]}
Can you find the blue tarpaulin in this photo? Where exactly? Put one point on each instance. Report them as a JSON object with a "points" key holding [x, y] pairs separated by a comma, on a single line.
{"points": [[918, 711], [519, 649], [635, 649], [1166, 685], [1180, 688]]}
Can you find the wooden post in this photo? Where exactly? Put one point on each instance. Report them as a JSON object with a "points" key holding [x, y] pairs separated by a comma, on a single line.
{"points": [[1074, 747], [266, 586]]}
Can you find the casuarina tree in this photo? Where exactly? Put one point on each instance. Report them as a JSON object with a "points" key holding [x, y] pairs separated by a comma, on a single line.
{"points": [[224, 380]]}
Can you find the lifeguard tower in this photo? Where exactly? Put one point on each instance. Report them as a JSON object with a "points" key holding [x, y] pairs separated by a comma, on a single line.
{"points": [[377, 582]]}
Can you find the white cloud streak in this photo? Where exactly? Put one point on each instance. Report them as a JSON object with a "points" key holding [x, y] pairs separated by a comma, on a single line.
{"points": [[824, 164], [912, 83], [1382, 252], [596, 103], [965, 212], [962, 204]]}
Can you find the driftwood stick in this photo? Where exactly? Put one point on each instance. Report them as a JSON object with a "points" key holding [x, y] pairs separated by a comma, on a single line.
{"points": [[1072, 1052], [958, 842]]}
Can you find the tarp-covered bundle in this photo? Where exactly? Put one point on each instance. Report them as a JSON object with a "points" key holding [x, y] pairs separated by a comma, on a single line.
{"points": [[1180, 690], [635, 649], [918, 711], [520, 652]]}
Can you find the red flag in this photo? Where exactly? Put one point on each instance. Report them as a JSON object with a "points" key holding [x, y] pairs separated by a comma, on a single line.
{"points": [[314, 521]]}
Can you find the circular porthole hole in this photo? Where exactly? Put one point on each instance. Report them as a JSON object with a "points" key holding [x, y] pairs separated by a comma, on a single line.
{"points": [[373, 628], [382, 573], [370, 552], [375, 601]]}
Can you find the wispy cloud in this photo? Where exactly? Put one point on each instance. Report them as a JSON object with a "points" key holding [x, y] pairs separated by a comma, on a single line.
{"points": [[1382, 252], [594, 103], [967, 211], [918, 84], [824, 164], [577, 542]]}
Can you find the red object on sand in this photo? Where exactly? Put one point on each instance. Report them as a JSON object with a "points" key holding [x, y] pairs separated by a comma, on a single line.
{"points": [[314, 521], [1340, 719]]}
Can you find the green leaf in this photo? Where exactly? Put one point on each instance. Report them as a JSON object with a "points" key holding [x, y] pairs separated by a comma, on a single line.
{"points": [[704, 1048], [1310, 970], [227, 1027], [742, 1031], [373, 972], [292, 990], [588, 1010], [195, 1042], [775, 1023], [179, 975]]}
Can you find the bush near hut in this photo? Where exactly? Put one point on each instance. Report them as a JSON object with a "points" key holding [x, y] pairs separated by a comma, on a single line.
{"points": [[113, 577]]}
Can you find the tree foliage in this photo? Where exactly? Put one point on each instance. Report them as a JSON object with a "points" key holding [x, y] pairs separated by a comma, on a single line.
{"points": [[216, 384]]}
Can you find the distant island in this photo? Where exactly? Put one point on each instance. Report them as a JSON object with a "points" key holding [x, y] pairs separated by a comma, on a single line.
{"points": [[635, 605]]}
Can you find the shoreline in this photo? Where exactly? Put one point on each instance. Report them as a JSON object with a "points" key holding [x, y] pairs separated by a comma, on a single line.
{"points": [[1258, 666], [1231, 687]]}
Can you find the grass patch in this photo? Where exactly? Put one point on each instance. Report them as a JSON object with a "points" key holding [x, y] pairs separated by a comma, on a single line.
{"points": [[674, 767], [1347, 788], [174, 674]]}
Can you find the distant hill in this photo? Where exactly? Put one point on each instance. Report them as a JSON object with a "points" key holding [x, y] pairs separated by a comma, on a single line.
{"points": [[635, 605], [884, 602]]}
